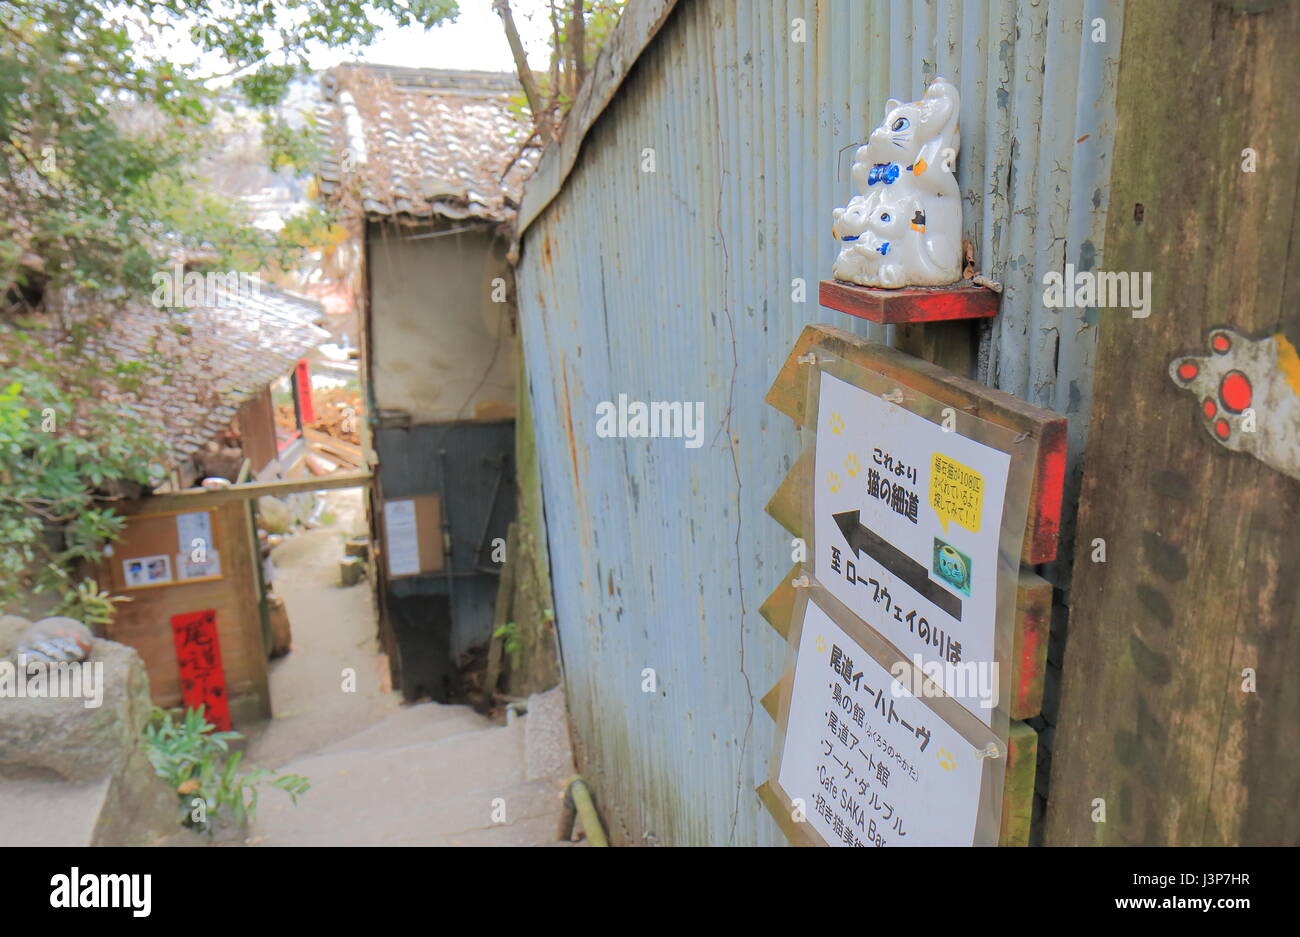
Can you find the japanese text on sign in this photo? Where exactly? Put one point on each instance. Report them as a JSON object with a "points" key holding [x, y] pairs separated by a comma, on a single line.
{"points": [[872, 765]]}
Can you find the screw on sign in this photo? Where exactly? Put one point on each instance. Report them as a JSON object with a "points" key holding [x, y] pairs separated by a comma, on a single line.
{"points": [[198, 654]]}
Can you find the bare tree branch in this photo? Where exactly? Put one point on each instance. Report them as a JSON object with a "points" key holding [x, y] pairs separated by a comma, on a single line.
{"points": [[577, 47], [526, 78]]}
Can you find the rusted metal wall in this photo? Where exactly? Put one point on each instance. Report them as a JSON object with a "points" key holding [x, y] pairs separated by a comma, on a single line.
{"points": [[682, 284]]}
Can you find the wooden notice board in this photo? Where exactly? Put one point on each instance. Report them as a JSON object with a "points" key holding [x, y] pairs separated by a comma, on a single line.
{"points": [[230, 596], [1023, 598], [165, 549], [413, 535]]}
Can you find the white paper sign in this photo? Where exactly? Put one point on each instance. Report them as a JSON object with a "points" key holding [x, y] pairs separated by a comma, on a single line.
{"points": [[194, 533], [401, 538], [872, 768], [907, 519], [188, 566]]}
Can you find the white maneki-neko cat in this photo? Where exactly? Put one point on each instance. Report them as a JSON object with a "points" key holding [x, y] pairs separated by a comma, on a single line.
{"points": [[903, 228]]}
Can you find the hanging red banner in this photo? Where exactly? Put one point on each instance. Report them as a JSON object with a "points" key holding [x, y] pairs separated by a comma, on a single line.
{"points": [[198, 653], [306, 408]]}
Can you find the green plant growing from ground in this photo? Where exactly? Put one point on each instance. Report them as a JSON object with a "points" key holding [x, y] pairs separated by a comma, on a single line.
{"points": [[197, 763], [511, 640]]}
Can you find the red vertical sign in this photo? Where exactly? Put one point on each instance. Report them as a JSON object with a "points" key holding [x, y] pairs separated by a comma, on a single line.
{"points": [[305, 408], [203, 680]]}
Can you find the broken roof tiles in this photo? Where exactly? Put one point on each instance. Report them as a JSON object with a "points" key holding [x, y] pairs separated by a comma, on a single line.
{"points": [[414, 144], [219, 357]]}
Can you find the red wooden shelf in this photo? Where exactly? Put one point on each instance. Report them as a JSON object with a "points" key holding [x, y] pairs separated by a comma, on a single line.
{"points": [[914, 304]]}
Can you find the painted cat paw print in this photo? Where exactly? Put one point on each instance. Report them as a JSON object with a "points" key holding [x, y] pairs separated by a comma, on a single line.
{"points": [[837, 423], [821, 644], [947, 760], [833, 482], [1248, 395], [851, 465]]}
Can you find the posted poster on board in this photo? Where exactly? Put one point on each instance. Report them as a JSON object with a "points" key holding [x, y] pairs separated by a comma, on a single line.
{"points": [[867, 763], [907, 520]]}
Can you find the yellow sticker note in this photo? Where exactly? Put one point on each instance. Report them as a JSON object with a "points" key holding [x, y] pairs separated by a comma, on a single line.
{"points": [[956, 492]]}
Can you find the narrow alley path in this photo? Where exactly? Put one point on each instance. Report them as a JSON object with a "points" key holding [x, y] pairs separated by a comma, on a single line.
{"points": [[381, 772], [333, 628]]}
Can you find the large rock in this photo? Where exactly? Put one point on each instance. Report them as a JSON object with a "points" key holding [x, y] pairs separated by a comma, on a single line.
{"points": [[12, 629], [76, 742]]}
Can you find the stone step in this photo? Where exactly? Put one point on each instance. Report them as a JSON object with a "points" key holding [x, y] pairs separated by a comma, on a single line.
{"points": [[429, 791], [425, 722], [50, 812]]}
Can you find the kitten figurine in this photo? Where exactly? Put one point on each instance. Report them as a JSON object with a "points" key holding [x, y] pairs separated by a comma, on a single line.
{"points": [[903, 228]]}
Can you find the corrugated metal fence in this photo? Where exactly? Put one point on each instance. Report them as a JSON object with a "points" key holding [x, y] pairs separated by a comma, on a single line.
{"points": [[680, 285]]}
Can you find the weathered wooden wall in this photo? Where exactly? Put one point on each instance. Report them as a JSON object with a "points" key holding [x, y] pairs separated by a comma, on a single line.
{"points": [[1201, 572], [144, 623]]}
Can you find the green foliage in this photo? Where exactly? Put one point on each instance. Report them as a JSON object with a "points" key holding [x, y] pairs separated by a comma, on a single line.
{"points": [[103, 137], [99, 131], [196, 762], [61, 445], [511, 640], [90, 604]]}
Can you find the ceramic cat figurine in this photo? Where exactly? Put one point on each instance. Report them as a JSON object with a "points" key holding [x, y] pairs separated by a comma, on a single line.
{"points": [[903, 228]]}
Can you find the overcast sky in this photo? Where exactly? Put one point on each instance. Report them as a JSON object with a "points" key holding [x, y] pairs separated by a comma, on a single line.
{"points": [[476, 41]]}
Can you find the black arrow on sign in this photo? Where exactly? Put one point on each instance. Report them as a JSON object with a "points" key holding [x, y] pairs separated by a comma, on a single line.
{"points": [[862, 539]]}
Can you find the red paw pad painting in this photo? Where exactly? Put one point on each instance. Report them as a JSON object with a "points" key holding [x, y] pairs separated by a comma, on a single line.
{"points": [[1248, 395]]}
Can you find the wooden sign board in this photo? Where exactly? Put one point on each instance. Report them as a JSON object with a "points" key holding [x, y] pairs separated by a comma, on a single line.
{"points": [[915, 545], [413, 535], [858, 764], [166, 549]]}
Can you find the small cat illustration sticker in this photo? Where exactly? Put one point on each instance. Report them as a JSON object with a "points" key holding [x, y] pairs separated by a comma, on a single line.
{"points": [[1248, 395], [952, 566]]}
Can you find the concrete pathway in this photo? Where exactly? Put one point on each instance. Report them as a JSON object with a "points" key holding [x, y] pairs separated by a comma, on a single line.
{"points": [[383, 773], [333, 628], [429, 775]]}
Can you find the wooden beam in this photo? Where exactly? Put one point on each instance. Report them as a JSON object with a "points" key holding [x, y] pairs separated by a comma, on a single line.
{"points": [[1018, 788], [778, 608], [1179, 698], [1029, 644], [780, 815], [787, 505], [198, 499], [1043, 523], [917, 304]]}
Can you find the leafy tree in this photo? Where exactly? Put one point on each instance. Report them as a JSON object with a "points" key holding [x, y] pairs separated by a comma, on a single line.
{"points": [[102, 133]]}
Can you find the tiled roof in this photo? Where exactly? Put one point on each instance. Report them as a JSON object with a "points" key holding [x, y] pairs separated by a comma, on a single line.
{"points": [[217, 357], [422, 143]]}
